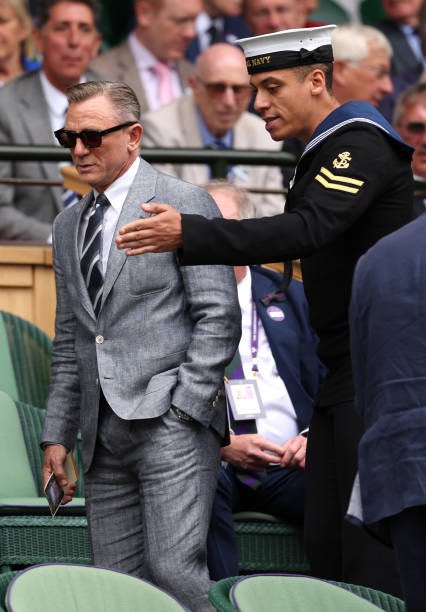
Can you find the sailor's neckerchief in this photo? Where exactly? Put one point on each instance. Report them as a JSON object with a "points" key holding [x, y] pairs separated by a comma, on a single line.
{"points": [[350, 112]]}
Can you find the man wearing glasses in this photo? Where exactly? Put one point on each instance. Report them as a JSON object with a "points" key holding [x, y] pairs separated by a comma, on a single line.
{"points": [[215, 116], [138, 358], [409, 120], [362, 64]]}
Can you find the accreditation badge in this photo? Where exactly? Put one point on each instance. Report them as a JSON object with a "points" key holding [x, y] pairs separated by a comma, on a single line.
{"points": [[244, 399]]}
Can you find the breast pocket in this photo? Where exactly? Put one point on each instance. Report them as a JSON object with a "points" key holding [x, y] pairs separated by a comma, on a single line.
{"points": [[151, 273]]}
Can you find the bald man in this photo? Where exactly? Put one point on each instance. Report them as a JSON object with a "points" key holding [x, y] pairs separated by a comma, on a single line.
{"points": [[215, 116]]}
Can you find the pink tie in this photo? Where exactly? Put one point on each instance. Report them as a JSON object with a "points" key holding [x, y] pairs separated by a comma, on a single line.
{"points": [[164, 76]]}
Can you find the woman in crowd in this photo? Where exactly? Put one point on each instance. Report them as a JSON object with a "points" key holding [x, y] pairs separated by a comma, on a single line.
{"points": [[16, 49]]}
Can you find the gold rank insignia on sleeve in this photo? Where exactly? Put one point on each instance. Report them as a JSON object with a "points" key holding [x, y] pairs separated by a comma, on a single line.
{"points": [[339, 183], [342, 160]]}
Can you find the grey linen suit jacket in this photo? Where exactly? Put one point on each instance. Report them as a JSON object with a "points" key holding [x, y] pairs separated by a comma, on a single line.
{"points": [[176, 125], [27, 211], [163, 336], [118, 63]]}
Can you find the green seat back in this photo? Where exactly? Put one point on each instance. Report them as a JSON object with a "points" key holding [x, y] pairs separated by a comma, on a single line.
{"points": [[77, 588], [7, 373], [271, 593], [16, 476], [5, 578], [32, 419], [28, 350], [20, 453], [219, 596]]}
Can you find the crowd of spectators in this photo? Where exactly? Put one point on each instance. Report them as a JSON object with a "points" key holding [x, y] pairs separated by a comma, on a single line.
{"points": [[193, 88]]}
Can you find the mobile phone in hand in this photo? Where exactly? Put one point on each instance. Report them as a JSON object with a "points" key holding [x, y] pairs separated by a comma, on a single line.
{"points": [[54, 494]]}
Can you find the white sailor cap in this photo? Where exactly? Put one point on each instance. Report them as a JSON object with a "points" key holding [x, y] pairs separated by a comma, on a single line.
{"points": [[287, 49]]}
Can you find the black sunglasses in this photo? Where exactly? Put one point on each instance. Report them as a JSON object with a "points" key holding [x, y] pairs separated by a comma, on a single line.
{"points": [[90, 138]]}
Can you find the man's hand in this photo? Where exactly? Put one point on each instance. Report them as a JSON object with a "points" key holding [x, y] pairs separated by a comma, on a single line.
{"points": [[157, 234], [251, 452], [294, 453], [53, 462]]}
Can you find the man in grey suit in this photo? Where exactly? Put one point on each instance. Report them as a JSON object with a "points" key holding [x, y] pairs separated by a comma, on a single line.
{"points": [[151, 59], [215, 116], [34, 105], [138, 358]]}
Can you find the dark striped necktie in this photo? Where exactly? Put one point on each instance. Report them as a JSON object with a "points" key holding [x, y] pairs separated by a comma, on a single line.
{"points": [[90, 262]]}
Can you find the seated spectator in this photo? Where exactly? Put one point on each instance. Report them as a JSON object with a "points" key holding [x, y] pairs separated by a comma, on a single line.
{"points": [[388, 322], [220, 21], [409, 119], [264, 468], [151, 59], [362, 61], [408, 60], [34, 105], [16, 48], [215, 116], [308, 7], [266, 16]]}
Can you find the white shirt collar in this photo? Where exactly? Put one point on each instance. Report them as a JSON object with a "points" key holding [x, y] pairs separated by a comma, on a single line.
{"points": [[118, 190], [204, 21], [143, 57], [56, 100]]}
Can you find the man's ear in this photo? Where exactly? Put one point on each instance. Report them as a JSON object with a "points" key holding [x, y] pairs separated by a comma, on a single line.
{"points": [[317, 81], [143, 13], [135, 136]]}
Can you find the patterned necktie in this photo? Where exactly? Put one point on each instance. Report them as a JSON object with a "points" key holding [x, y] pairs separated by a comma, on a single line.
{"points": [[90, 262], [219, 143], [164, 77], [69, 197]]}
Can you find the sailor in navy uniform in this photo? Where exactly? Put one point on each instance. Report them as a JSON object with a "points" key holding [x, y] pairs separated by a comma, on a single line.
{"points": [[352, 185]]}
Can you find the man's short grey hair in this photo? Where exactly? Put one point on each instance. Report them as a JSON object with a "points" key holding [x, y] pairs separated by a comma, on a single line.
{"points": [[44, 8], [412, 95], [353, 42], [246, 208], [122, 97]]}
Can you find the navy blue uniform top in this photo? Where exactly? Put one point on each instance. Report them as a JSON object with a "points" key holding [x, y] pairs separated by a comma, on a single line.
{"points": [[353, 185]]}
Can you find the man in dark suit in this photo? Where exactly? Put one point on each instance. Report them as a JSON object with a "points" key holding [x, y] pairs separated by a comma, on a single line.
{"points": [[138, 358], [264, 469], [401, 29], [219, 21], [388, 322], [34, 105]]}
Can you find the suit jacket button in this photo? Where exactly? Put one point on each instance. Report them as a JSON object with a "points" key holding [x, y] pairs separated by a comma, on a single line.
{"points": [[99, 339]]}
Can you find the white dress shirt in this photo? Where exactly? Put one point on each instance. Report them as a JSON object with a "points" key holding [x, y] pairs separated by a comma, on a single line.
{"points": [[116, 194], [279, 423], [145, 60]]}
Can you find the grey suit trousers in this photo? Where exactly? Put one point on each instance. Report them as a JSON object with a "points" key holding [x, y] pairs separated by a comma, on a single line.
{"points": [[149, 495]]}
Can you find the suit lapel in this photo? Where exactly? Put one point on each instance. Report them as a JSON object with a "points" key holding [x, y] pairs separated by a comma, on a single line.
{"points": [[142, 190], [130, 73], [35, 115]]}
